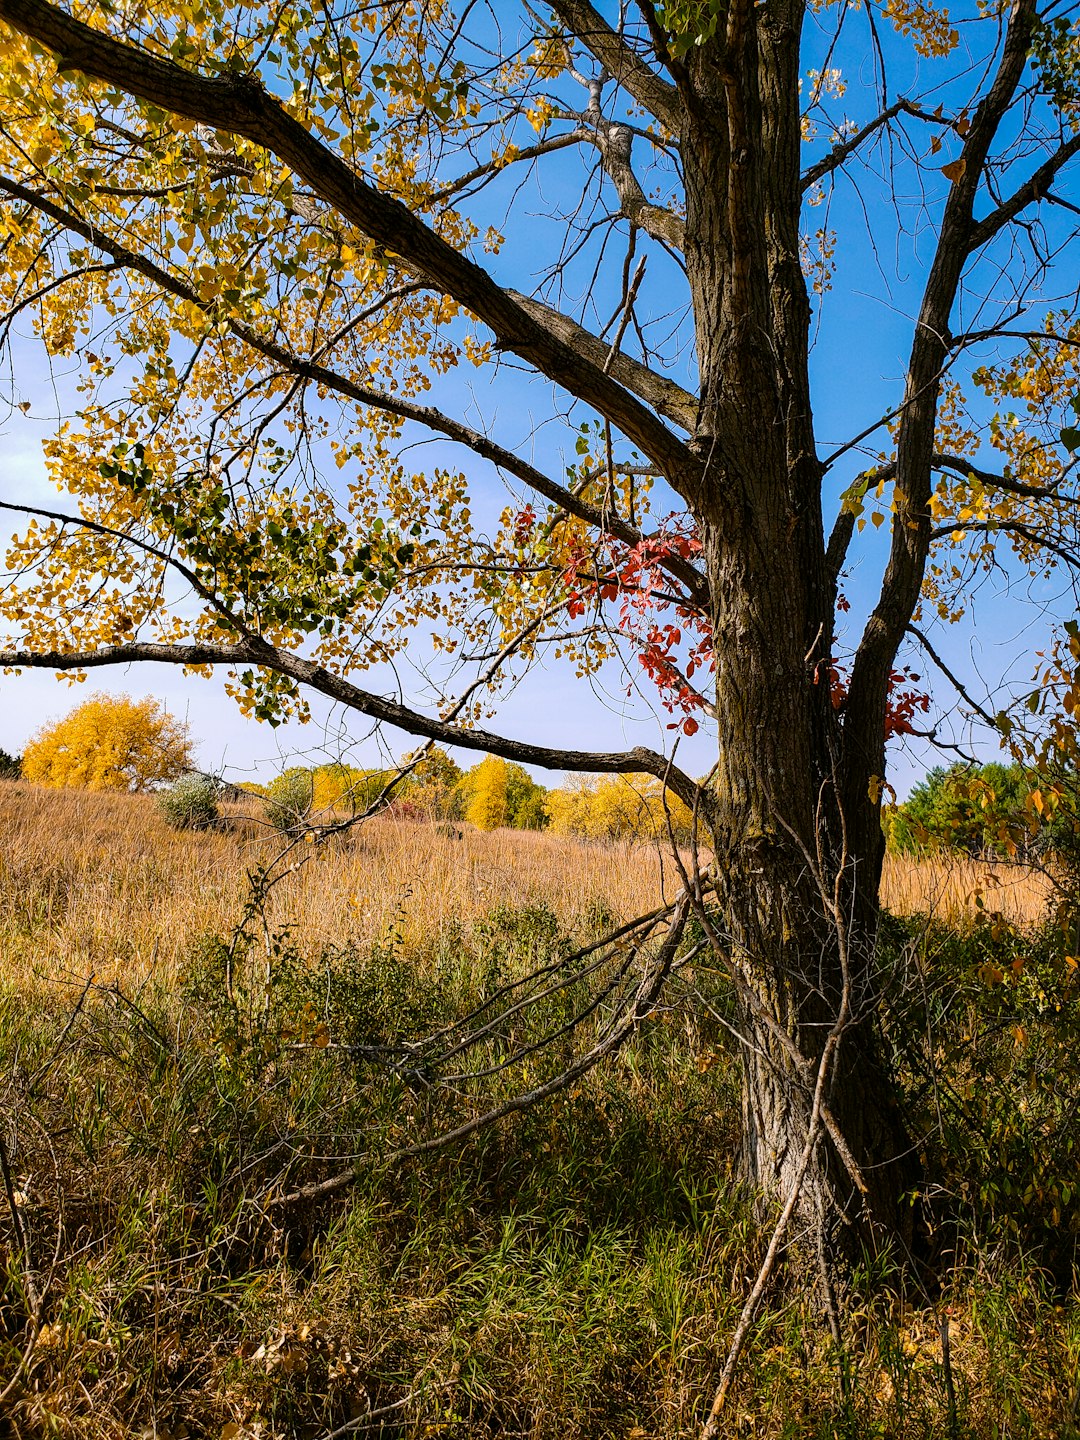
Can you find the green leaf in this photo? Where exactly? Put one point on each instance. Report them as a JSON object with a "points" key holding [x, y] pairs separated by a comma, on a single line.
{"points": [[851, 499]]}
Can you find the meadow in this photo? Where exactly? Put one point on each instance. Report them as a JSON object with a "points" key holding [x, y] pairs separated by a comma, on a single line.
{"points": [[96, 882], [576, 1269]]}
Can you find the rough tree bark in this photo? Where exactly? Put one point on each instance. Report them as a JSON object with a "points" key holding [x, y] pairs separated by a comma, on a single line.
{"points": [[778, 821]]}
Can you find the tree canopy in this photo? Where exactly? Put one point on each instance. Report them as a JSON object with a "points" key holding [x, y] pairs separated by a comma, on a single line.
{"points": [[997, 809], [289, 244], [109, 743]]}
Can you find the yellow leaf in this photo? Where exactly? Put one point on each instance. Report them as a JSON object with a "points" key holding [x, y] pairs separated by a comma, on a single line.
{"points": [[955, 170]]}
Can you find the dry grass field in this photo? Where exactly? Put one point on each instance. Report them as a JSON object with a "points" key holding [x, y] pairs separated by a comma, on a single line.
{"points": [[574, 1273], [954, 889], [98, 882]]}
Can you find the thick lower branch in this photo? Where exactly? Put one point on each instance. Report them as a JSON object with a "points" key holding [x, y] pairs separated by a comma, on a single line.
{"points": [[665, 396], [254, 651]]}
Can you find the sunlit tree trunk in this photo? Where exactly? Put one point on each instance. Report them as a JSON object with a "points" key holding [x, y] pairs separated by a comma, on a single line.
{"points": [[796, 899]]}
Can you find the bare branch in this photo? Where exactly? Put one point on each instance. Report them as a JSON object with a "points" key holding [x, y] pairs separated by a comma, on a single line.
{"points": [[493, 167], [1036, 188], [632, 1012], [957, 684], [585, 23], [839, 153], [614, 143]]}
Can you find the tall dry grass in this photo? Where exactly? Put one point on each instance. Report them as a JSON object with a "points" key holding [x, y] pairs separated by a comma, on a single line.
{"points": [[576, 1276], [98, 882], [955, 889]]}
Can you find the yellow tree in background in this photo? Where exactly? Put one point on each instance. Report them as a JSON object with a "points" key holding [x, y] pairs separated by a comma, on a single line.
{"points": [[109, 743], [614, 807], [487, 794]]}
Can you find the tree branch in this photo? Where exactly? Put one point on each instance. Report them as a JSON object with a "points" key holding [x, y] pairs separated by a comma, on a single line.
{"points": [[1009, 527], [665, 396], [957, 684], [839, 153], [837, 548], [311, 371], [990, 481], [864, 726], [241, 105], [614, 143], [585, 23], [253, 650], [493, 167], [1033, 189], [631, 1010], [199, 586]]}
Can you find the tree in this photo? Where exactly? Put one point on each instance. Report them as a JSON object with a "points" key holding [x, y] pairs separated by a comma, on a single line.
{"points": [[290, 799], [615, 807], [432, 784], [486, 786], [277, 226], [109, 743], [524, 800], [999, 809]]}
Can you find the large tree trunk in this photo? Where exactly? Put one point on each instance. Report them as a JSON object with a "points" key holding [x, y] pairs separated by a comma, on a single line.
{"points": [[798, 903]]}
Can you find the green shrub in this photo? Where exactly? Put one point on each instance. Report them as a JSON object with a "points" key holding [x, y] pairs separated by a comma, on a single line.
{"points": [[190, 803], [985, 1029], [290, 799], [10, 766]]}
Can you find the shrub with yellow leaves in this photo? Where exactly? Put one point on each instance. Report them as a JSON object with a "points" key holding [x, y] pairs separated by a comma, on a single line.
{"points": [[616, 807]]}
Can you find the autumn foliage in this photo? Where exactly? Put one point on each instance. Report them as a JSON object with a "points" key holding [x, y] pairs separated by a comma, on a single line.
{"points": [[617, 807], [109, 743]]}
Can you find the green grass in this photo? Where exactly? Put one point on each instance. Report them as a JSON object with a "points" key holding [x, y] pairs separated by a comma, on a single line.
{"points": [[574, 1271]]}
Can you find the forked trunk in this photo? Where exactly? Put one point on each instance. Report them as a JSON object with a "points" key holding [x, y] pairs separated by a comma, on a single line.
{"points": [[797, 858]]}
